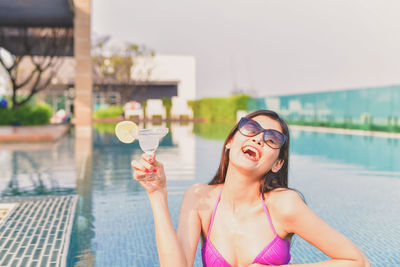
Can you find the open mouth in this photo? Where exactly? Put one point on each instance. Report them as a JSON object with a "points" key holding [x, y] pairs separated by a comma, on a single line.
{"points": [[251, 153]]}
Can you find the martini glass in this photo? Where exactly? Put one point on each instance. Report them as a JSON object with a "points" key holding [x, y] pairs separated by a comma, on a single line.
{"points": [[149, 139]]}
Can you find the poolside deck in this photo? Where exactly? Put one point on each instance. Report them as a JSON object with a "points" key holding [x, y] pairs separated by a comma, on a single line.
{"points": [[44, 133], [35, 231]]}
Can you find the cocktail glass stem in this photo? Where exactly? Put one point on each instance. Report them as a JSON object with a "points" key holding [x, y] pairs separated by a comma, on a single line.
{"points": [[149, 140]]}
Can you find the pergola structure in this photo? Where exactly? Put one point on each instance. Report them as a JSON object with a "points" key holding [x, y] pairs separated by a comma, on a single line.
{"points": [[31, 18], [37, 13], [26, 21]]}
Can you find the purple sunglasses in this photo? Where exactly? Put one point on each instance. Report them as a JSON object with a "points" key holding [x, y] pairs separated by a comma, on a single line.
{"points": [[272, 138]]}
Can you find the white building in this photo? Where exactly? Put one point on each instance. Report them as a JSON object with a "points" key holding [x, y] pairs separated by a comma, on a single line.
{"points": [[169, 69], [3, 83], [161, 76]]}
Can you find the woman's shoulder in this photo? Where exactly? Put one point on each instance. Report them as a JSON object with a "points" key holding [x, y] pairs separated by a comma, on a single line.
{"points": [[202, 193], [284, 203], [200, 189]]}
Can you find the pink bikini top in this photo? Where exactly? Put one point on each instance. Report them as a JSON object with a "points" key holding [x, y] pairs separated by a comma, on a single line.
{"points": [[277, 252]]}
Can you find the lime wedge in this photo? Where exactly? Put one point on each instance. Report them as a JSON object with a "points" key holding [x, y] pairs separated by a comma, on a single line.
{"points": [[126, 131]]}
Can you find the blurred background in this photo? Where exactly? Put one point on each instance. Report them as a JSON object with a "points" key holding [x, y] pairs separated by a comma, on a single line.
{"points": [[70, 70]]}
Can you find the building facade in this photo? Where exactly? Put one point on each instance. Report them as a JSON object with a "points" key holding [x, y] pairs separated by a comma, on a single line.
{"points": [[365, 107]]}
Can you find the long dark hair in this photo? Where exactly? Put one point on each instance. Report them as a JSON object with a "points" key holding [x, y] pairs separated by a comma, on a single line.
{"points": [[271, 180]]}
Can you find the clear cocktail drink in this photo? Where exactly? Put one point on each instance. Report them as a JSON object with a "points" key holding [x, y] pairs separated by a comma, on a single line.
{"points": [[149, 139]]}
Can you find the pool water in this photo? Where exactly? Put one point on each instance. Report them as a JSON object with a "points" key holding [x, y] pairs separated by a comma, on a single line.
{"points": [[352, 182]]}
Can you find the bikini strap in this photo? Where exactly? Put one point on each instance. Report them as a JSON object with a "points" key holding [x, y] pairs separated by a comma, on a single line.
{"points": [[267, 212], [213, 214]]}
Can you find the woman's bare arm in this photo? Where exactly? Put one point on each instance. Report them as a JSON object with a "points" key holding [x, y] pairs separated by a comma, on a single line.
{"points": [[172, 250], [296, 217], [189, 225]]}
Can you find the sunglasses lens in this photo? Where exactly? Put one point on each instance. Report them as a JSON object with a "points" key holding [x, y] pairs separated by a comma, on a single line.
{"points": [[274, 138], [249, 127]]}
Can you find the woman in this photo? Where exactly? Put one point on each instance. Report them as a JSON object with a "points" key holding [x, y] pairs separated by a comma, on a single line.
{"points": [[247, 214]]}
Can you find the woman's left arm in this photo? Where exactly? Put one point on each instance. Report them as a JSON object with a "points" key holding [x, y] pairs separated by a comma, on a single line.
{"points": [[296, 217]]}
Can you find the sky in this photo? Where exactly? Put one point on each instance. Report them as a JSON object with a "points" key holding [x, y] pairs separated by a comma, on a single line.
{"points": [[265, 47]]}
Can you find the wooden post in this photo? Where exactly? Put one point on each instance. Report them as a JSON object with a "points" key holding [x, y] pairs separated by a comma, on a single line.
{"points": [[83, 68]]}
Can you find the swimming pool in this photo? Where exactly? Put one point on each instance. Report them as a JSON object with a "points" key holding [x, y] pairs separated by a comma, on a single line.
{"points": [[352, 182]]}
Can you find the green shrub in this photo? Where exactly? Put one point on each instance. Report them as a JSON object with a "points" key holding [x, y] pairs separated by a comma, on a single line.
{"points": [[167, 103], [26, 115], [41, 114], [219, 109], [109, 112], [6, 116], [105, 127]]}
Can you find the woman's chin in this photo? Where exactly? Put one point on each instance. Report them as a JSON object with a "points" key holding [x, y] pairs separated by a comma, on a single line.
{"points": [[247, 165]]}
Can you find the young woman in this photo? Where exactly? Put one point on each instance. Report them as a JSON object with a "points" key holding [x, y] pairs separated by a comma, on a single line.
{"points": [[246, 215]]}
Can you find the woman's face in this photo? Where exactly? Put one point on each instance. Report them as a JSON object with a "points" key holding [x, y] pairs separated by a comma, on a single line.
{"points": [[251, 154]]}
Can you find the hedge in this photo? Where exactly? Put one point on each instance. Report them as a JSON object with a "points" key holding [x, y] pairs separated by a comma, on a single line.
{"points": [[26, 115], [109, 112], [219, 109]]}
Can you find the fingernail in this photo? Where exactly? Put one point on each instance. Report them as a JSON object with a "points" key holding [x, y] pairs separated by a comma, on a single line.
{"points": [[146, 171], [154, 170], [151, 160]]}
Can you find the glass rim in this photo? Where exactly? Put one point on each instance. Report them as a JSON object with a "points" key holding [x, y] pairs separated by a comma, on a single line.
{"points": [[154, 131]]}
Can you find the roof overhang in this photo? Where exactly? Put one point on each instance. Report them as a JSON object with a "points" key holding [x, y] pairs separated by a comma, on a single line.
{"points": [[36, 13], [37, 27]]}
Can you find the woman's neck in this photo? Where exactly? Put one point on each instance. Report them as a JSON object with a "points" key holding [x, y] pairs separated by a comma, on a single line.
{"points": [[240, 190]]}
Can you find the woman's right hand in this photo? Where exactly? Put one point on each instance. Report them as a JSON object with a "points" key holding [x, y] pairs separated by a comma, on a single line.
{"points": [[149, 165]]}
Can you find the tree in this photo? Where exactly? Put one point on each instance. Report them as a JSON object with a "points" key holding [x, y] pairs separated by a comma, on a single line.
{"points": [[40, 51], [126, 69]]}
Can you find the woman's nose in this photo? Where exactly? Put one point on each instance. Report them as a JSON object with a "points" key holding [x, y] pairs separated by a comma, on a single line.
{"points": [[258, 139]]}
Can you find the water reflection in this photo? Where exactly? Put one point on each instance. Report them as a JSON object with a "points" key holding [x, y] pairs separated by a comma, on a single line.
{"points": [[115, 213], [113, 225], [213, 130], [38, 182], [32, 169], [182, 167], [81, 251], [372, 153]]}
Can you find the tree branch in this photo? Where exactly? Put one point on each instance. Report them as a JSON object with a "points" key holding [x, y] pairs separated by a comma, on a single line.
{"points": [[32, 93], [44, 86], [54, 69], [27, 80]]}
